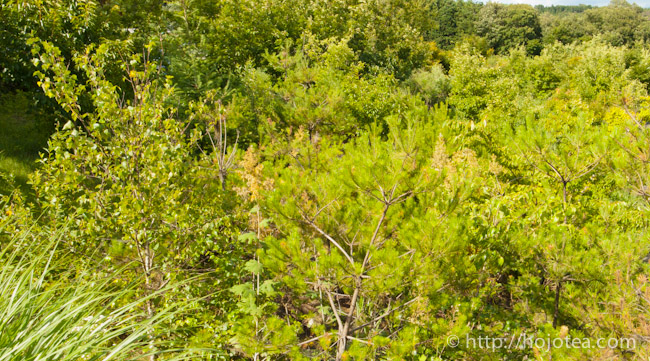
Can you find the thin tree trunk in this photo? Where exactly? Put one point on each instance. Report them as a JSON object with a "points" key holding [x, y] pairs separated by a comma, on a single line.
{"points": [[343, 334], [556, 312], [564, 196], [148, 263], [222, 178]]}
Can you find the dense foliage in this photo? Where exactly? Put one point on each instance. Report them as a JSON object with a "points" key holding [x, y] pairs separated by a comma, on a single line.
{"points": [[339, 179]]}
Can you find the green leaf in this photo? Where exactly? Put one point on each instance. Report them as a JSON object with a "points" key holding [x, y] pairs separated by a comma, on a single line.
{"points": [[266, 288], [247, 237], [253, 266], [69, 125], [242, 289]]}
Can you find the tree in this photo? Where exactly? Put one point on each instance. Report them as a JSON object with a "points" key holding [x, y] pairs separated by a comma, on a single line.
{"points": [[389, 34], [105, 169], [619, 23], [433, 84], [471, 82], [321, 89], [347, 217], [555, 148], [508, 26]]}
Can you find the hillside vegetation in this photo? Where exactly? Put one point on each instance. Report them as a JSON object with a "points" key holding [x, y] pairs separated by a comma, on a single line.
{"points": [[329, 180]]}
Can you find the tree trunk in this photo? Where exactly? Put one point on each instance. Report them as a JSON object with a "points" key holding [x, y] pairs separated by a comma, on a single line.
{"points": [[556, 312], [343, 333], [149, 308]]}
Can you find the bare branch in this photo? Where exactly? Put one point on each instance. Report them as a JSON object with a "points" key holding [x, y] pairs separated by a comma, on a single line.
{"points": [[334, 309], [329, 238]]}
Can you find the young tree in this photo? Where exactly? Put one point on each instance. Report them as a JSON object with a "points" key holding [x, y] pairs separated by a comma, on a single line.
{"points": [[127, 175], [565, 147], [360, 233]]}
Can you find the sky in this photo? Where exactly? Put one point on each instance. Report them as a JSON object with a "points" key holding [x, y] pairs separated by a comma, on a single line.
{"points": [[642, 3]]}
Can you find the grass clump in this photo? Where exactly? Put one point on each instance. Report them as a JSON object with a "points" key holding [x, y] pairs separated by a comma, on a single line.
{"points": [[50, 310]]}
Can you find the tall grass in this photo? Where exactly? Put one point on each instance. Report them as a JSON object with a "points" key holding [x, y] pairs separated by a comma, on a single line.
{"points": [[47, 311]]}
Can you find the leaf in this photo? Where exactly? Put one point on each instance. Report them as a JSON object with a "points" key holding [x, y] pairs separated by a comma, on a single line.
{"points": [[253, 266], [247, 237], [266, 288], [248, 306], [69, 125], [242, 289]]}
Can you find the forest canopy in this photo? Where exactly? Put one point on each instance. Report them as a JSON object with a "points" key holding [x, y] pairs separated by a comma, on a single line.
{"points": [[335, 179]]}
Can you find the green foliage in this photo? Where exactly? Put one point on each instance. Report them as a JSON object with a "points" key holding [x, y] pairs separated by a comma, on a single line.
{"points": [[388, 34], [339, 258], [321, 91], [113, 162], [471, 79], [319, 180], [456, 19], [619, 23], [508, 26], [52, 311], [433, 85]]}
